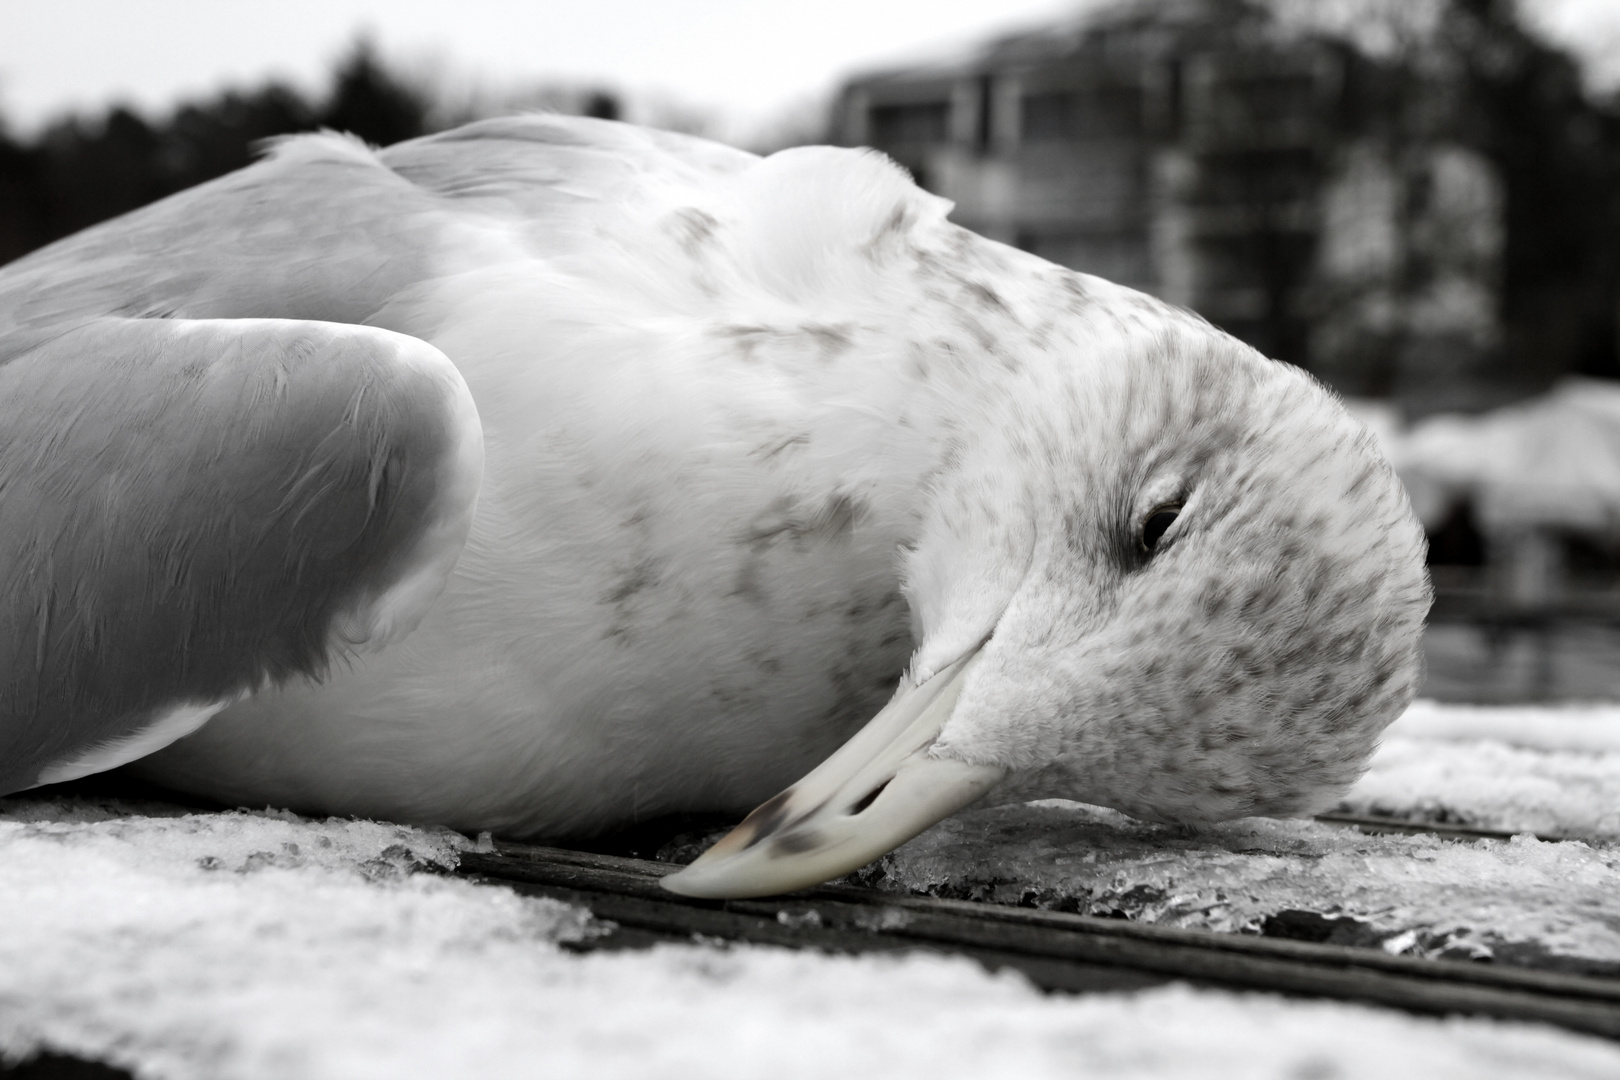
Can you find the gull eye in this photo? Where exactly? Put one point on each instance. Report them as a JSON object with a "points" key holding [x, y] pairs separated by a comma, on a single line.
{"points": [[1158, 523]]}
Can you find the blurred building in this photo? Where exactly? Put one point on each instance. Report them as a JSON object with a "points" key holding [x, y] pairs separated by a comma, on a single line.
{"points": [[1328, 208], [1431, 229]]}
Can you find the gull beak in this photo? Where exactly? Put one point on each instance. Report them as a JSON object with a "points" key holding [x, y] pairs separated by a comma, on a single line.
{"points": [[876, 792]]}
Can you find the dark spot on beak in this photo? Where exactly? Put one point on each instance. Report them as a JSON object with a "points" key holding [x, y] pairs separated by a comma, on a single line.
{"points": [[796, 842], [766, 818], [869, 798]]}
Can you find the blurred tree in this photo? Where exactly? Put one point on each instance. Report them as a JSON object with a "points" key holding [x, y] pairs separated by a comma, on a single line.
{"points": [[602, 105], [21, 215], [208, 140], [369, 102], [80, 171], [1558, 152]]}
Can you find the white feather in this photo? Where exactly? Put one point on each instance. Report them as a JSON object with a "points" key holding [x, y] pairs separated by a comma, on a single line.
{"points": [[732, 406]]}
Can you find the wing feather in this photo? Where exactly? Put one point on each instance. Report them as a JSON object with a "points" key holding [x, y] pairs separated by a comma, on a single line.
{"points": [[321, 232], [192, 510]]}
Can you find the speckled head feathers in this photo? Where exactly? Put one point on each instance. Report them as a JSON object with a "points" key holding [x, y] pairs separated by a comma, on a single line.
{"points": [[1244, 665]]}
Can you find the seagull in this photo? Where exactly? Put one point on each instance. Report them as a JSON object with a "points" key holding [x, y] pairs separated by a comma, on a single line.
{"points": [[550, 474]]}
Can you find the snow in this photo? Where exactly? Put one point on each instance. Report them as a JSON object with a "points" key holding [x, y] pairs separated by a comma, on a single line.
{"points": [[263, 945], [1415, 894], [1586, 727], [1524, 770], [1549, 770], [1553, 460]]}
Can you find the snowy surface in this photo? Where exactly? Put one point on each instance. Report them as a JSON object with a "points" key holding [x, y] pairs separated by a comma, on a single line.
{"points": [[1592, 728], [1554, 771], [1553, 460], [1407, 894], [248, 945]]}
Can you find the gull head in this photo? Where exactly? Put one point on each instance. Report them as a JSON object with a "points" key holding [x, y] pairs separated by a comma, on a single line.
{"points": [[1156, 572], [1223, 604]]}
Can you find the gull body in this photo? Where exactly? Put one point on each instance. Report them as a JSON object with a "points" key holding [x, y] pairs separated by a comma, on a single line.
{"points": [[725, 450]]}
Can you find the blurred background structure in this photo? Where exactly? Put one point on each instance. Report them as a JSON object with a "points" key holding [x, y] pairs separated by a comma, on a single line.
{"points": [[1431, 227], [1416, 200]]}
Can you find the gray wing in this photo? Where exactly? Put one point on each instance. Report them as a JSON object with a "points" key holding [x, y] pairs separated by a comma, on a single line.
{"points": [[328, 229], [196, 498], [540, 169], [192, 510], [319, 232]]}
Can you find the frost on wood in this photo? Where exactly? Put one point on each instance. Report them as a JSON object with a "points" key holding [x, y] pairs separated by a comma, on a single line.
{"points": [[266, 947], [261, 946], [1549, 770], [171, 936], [1296, 879], [1520, 770]]}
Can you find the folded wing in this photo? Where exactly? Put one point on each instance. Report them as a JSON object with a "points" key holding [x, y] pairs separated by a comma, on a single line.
{"points": [[194, 509]]}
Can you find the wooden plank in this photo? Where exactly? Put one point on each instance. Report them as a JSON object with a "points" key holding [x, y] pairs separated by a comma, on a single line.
{"points": [[1444, 830], [651, 921], [1056, 950]]}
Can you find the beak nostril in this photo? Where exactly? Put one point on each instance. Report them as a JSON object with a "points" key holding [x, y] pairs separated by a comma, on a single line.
{"points": [[869, 798]]}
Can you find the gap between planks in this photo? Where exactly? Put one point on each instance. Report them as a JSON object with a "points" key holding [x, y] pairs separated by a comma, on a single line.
{"points": [[1056, 950]]}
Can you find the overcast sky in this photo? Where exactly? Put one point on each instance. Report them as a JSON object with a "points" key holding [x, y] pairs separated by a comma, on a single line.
{"points": [[742, 61]]}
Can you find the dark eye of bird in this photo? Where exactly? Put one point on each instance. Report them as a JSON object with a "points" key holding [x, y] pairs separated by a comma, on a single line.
{"points": [[1157, 523]]}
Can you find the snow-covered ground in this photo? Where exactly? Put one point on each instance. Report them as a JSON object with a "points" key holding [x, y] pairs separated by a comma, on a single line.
{"points": [[1549, 770], [265, 945], [1526, 770]]}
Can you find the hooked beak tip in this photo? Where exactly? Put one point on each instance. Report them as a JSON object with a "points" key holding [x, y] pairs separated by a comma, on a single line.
{"points": [[876, 792]]}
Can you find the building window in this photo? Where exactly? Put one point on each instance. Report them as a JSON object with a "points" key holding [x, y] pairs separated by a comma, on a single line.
{"points": [[1252, 178], [923, 122], [1097, 112], [1261, 107], [1276, 99]]}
